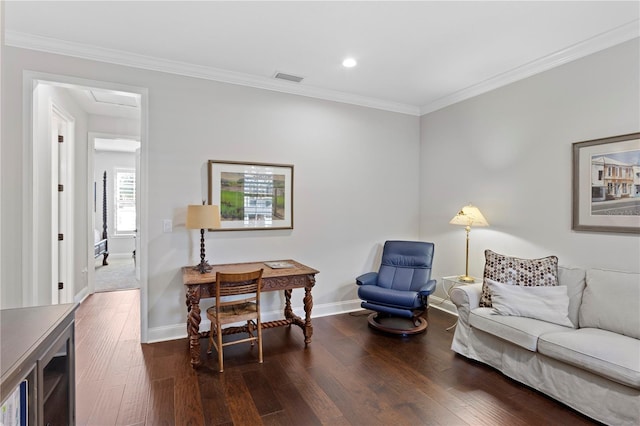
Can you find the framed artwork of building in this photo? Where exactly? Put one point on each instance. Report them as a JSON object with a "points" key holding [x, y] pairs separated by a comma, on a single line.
{"points": [[606, 184], [251, 196]]}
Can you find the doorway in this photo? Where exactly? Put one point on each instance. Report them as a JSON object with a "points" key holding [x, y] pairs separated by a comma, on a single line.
{"points": [[115, 165], [73, 95]]}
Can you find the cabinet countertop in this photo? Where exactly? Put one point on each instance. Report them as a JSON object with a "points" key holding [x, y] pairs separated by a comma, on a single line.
{"points": [[23, 332]]}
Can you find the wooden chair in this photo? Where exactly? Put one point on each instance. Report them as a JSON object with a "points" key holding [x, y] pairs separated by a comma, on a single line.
{"points": [[227, 311]]}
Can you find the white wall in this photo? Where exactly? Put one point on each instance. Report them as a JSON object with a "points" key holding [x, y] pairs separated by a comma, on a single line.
{"points": [[356, 172], [509, 153], [110, 161], [119, 126], [356, 178]]}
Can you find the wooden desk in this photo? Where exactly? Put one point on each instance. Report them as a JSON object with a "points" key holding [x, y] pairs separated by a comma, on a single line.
{"points": [[200, 286]]}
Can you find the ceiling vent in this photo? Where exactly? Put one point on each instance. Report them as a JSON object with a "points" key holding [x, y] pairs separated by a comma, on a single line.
{"points": [[288, 77]]}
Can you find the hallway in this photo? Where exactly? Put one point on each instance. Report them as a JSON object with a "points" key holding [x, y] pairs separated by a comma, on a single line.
{"points": [[119, 274]]}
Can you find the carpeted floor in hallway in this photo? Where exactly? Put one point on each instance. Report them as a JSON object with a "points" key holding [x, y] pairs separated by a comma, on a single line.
{"points": [[119, 274]]}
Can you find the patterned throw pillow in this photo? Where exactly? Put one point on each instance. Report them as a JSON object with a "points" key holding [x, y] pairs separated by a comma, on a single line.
{"points": [[515, 271]]}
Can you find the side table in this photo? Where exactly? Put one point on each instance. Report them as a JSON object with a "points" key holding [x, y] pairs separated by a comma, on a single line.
{"points": [[449, 283]]}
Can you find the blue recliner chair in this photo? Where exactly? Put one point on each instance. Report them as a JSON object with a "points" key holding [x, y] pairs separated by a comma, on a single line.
{"points": [[399, 291]]}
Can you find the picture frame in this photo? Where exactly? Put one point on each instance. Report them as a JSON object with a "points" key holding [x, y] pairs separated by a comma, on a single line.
{"points": [[251, 196], [606, 184]]}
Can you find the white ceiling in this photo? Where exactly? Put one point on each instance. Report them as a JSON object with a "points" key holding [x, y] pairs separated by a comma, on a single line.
{"points": [[413, 57], [106, 102]]}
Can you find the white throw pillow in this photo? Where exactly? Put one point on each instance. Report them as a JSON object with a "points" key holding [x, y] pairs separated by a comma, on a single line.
{"points": [[546, 303]]}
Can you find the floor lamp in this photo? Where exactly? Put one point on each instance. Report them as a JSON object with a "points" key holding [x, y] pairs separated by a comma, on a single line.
{"points": [[468, 216], [202, 217]]}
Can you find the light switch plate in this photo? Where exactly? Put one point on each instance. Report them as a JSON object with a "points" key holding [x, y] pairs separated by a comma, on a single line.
{"points": [[167, 225]]}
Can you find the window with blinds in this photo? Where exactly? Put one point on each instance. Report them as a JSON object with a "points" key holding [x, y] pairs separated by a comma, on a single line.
{"points": [[125, 203]]}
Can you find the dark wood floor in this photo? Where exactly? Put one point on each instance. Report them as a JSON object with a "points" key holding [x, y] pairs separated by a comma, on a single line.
{"points": [[349, 375]]}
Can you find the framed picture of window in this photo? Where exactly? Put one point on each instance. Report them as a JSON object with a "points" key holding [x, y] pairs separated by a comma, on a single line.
{"points": [[606, 184], [251, 196]]}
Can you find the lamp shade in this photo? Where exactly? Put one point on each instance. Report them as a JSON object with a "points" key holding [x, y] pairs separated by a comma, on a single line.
{"points": [[469, 216], [203, 216]]}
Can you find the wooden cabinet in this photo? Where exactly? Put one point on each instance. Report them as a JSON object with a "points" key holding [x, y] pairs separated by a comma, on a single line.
{"points": [[37, 346]]}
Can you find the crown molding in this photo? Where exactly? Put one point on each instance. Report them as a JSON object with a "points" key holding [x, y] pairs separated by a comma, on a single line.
{"points": [[84, 51], [597, 43], [587, 47]]}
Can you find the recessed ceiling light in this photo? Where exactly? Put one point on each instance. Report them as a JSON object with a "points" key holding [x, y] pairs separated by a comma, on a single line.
{"points": [[349, 63]]}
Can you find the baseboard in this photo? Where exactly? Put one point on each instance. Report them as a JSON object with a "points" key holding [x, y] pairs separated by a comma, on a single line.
{"points": [[178, 331], [443, 305], [82, 294], [336, 308], [167, 332]]}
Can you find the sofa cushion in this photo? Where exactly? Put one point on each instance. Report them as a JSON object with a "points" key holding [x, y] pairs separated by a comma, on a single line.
{"points": [[546, 303], [516, 271], [602, 352], [573, 279], [520, 331], [611, 301]]}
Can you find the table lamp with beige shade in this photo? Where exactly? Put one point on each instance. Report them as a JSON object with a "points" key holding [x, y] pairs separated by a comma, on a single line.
{"points": [[202, 216], [468, 216]]}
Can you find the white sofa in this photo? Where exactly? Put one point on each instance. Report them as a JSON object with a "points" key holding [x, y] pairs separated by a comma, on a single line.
{"points": [[593, 367]]}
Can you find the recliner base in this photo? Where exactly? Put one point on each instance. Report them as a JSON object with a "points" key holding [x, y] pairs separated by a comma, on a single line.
{"points": [[397, 325]]}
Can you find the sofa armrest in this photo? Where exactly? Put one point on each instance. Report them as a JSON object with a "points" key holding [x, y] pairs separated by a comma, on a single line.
{"points": [[466, 298], [467, 295]]}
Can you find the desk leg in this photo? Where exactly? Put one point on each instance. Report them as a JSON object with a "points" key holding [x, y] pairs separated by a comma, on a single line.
{"points": [[308, 304], [193, 324], [288, 312]]}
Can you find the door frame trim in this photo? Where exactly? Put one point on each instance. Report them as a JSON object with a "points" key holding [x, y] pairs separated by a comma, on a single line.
{"points": [[30, 80]]}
